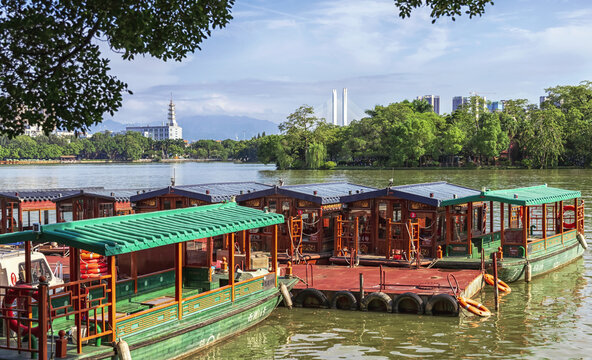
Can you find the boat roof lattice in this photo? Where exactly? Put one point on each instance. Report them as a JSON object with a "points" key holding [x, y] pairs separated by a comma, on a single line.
{"points": [[124, 234], [526, 196]]}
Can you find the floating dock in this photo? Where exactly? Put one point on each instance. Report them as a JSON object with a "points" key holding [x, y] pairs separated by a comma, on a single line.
{"points": [[387, 289]]}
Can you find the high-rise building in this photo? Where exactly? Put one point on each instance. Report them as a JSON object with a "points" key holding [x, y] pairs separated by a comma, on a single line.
{"points": [[169, 131], [458, 101], [433, 100], [334, 107], [344, 109], [495, 106]]}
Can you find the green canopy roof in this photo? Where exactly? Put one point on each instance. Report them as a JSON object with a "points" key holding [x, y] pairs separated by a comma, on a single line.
{"points": [[123, 234], [533, 195]]}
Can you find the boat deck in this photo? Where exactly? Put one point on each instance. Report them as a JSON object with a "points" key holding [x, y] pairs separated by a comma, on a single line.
{"points": [[426, 286], [421, 281], [376, 260]]}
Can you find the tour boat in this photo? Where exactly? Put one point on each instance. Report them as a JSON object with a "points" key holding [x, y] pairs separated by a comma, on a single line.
{"points": [[147, 283], [534, 231]]}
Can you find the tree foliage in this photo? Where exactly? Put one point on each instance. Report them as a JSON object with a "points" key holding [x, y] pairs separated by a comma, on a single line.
{"points": [[52, 72]]}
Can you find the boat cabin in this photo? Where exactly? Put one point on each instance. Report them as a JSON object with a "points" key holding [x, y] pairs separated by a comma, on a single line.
{"points": [[523, 222], [390, 224], [91, 204], [313, 209], [22, 208], [110, 295]]}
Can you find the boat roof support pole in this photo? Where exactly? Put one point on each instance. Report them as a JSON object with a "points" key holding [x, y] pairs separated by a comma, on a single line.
{"points": [[28, 277], [179, 279], [20, 215], [112, 298], [231, 265], [545, 224], [248, 251], [469, 227], [448, 231], [274, 252], [491, 216], [502, 235], [3, 205], [561, 220], [525, 229], [576, 214]]}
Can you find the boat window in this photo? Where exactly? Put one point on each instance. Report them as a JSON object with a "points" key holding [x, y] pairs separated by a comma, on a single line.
{"points": [[38, 268], [167, 205], [272, 206], [396, 212], [105, 209], [179, 204]]}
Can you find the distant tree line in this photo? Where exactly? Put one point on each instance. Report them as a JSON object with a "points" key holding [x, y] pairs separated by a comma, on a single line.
{"points": [[409, 134], [404, 134], [125, 147]]}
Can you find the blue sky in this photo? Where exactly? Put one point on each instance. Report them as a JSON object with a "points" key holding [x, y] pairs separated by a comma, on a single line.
{"points": [[277, 55]]}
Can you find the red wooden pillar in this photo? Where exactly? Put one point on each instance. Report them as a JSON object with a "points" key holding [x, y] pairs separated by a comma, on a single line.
{"points": [[210, 250], [243, 241], [179, 279], [231, 265], [134, 270], [43, 317], [112, 298]]}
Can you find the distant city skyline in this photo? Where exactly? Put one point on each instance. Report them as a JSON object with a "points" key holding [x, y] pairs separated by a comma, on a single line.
{"points": [[276, 56]]}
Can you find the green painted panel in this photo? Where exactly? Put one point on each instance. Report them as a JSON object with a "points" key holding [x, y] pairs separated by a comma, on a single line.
{"points": [[533, 195]]}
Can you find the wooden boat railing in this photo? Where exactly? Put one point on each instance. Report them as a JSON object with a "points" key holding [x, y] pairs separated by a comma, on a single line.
{"points": [[403, 237]]}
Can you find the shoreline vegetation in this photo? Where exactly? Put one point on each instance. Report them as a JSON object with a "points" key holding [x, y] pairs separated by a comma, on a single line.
{"points": [[404, 135]]}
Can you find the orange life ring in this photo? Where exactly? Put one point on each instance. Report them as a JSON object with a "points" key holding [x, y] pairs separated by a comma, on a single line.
{"points": [[13, 279], [92, 265], [502, 286], [90, 256], [473, 306], [89, 276], [567, 225], [13, 294], [100, 270]]}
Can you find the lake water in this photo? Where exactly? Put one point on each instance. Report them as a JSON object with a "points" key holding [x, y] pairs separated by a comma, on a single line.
{"points": [[547, 318]]}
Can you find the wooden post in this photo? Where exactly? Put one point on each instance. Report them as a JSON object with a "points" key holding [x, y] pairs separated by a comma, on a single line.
{"points": [[210, 250], [243, 240], [336, 237], [470, 227], [112, 298], [510, 216], [28, 275], [545, 224], [361, 288], [495, 281], [58, 212], [179, 279], [231, 265], [525, 229], [43, 317]]}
